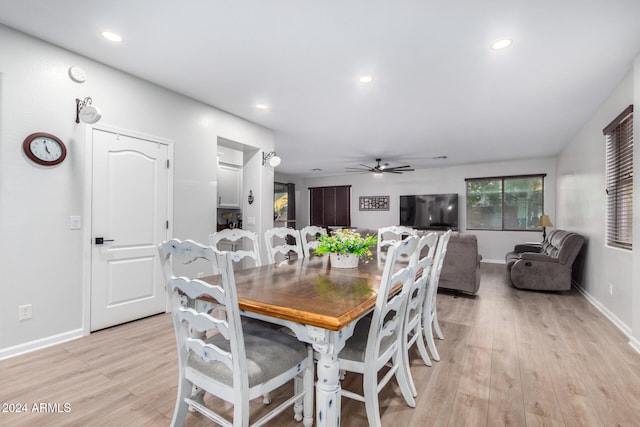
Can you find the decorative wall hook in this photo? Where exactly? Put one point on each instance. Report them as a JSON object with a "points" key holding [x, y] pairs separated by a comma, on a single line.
{"points": [[250, 198], [87, 112]]}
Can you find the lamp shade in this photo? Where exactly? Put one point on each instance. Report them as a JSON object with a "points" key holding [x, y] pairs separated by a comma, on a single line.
{"points": [[275, 161], [544, 221]]}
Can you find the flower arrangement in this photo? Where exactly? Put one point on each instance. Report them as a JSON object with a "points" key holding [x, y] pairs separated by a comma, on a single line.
{"points": [[346, 242]]}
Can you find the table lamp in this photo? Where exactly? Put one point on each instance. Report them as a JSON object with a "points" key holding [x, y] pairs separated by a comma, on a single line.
{"points": [[544, 222]]}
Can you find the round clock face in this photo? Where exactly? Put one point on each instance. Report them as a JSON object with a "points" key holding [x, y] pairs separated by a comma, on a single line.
{"points": [[44, 149]]}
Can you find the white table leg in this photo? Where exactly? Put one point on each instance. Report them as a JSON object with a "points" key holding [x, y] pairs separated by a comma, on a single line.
{"points": [[327, 344], [328, 391]]}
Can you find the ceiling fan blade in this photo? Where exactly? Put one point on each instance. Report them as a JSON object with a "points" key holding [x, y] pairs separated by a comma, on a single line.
{"points": [[368, 167], [398, 170], [391, 171]]}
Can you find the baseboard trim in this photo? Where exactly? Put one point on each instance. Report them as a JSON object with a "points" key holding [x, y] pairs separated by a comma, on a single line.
{"points": [[39, 344], [493, 261], [635, 344], [623, 327]]}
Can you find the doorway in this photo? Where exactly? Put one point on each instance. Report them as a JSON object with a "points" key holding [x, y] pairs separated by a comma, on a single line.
{"points": [[130, 216]]}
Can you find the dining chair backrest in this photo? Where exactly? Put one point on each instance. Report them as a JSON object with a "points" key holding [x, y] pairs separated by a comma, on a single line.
{"points": [[389, 312], [221, 355], [393, 234], [422, 260], [185, 252], [438, 262], [430, 322], [229, 352], [422, 263], [309, 236], [280, 242], [376, 342], [245, 240]]}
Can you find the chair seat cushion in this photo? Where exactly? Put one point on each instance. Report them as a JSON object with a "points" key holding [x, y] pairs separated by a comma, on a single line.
{"points": [[269, 354], [356, 346]]}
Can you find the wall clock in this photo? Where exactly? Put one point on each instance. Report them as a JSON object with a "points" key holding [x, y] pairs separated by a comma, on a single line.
{"points": [[44, 149]]}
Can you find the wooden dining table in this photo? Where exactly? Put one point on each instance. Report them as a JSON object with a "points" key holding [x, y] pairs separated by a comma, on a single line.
{"points": [[320, 304]]}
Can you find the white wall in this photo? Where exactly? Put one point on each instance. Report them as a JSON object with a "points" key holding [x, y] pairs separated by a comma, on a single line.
{"points": [[493, 245], [581, 207], [635, 278], [43, 262]]}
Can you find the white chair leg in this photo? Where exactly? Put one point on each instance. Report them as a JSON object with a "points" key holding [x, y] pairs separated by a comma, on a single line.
{"points": [[181, 409], [403, 376], [371, 403], [266, 398], [428, 332], [298, 405], [422, 348], [436, 325], [406, 364]]}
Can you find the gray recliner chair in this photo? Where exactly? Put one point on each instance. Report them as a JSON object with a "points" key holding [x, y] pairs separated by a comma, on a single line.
{"points": [[545, 267]]}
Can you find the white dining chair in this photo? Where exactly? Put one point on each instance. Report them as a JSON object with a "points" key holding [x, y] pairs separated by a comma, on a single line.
{"points": [[309, 238], [281, 242], [388, 236], [234, 361], [377, 339], [429, 312], [412, 331], [245, 243]]}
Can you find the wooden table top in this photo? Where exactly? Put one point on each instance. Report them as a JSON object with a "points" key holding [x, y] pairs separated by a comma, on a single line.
{"points": [[309, 291]]}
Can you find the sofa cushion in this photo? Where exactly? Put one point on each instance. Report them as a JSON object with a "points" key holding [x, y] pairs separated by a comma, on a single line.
{"points": [[548, 268], [461, 268]]}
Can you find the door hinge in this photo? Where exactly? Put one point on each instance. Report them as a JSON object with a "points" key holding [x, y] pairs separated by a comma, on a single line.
{"points": [[167, 225], [167, 163]]}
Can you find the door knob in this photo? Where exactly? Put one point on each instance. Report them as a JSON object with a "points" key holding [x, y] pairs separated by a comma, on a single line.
{"points": [[101, 240]]}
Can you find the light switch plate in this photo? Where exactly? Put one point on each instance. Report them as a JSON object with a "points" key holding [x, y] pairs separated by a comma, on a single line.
{"points": [[75, 222]]}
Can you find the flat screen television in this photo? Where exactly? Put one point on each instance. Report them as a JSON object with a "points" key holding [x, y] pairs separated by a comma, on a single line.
{"points": [[429, 211]]}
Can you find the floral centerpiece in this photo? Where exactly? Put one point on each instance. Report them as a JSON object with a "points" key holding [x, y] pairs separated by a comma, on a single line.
{"points": [[346, 247]]}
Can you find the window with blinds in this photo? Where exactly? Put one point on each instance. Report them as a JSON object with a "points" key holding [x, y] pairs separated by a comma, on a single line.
{"points": [[619, 136]]}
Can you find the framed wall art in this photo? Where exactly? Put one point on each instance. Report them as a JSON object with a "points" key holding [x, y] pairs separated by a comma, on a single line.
{"points": [[374, 203]]}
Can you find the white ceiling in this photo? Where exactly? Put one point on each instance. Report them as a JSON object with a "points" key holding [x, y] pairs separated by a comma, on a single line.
{"points": [[438, 90]]}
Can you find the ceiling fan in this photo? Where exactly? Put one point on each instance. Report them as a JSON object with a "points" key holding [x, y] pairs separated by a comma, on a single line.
{"points": [[380, 168]]}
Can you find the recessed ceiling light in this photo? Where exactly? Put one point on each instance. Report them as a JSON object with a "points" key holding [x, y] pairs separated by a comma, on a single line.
{"points": [[316, 170], [366, 79], [261, 106], [501, 44], [112, 36], [439, 157]]}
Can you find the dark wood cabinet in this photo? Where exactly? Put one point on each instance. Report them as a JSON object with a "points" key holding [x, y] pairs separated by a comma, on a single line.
{"points": [[330, 206]]}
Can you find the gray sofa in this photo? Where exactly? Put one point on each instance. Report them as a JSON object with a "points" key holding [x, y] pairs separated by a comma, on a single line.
{"points": [[461, 267], [545, 267]]}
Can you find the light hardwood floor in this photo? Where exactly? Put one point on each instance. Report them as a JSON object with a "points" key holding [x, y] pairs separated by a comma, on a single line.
{"points": [[510, 357]]}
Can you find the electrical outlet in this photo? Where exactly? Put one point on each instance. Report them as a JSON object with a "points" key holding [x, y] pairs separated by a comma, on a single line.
{"points": [[610, 288], [25, 312]]}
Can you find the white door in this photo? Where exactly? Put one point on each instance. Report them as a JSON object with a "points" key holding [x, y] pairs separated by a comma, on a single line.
{"points": [[130, 215]]}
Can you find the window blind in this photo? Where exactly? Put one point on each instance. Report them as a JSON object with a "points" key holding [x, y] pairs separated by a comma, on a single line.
{"points": [[619, 137]]}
